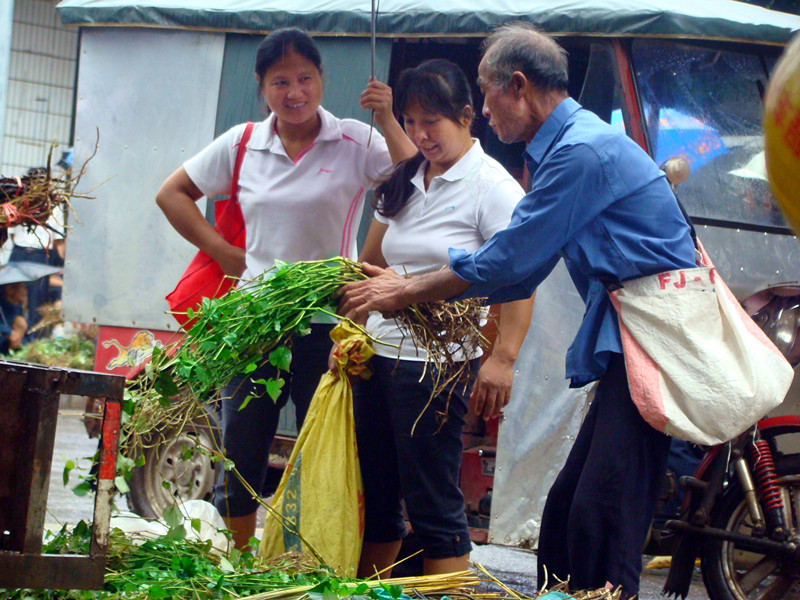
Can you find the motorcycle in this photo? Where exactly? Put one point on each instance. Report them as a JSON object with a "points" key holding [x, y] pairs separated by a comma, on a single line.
{"points": [[740, 512]]}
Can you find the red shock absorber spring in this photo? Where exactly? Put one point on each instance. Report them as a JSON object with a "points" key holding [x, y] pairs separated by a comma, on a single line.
{"points": [[768, 488]]}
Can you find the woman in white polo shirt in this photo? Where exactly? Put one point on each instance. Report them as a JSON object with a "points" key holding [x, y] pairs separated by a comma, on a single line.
{"points": [[301, 190], [449, 195]]}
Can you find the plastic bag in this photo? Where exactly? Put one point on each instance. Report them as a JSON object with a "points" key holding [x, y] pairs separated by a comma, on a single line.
{"points": [[211, 528], [320, 494]]}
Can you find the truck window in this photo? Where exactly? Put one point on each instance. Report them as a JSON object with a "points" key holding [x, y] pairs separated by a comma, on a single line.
{"points": [[601, 92], [704, 104]]}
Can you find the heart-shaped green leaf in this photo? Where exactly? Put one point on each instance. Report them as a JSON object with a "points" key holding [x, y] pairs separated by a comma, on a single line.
{"points": [[281, 358], [274, 387]]}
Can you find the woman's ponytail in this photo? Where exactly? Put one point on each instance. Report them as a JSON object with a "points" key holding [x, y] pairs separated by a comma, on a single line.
{"points": [[393, 193]]}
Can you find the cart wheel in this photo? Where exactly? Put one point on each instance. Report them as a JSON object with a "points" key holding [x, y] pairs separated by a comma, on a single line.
{"points": [[175, 470]]}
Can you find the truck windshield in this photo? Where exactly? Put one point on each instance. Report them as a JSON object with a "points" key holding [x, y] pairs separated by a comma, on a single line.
{"points": [[705, 105]]}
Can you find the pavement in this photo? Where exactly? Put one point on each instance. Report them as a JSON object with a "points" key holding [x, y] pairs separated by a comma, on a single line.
{"points": [[514, 566], [71, 444]]}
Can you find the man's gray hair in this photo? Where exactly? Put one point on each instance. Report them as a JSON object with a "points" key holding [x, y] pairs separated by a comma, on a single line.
{"points": [[520, 46]]}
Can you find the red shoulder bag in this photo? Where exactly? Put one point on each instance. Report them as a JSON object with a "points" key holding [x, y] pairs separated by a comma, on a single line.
{"points": [[204, 278]]}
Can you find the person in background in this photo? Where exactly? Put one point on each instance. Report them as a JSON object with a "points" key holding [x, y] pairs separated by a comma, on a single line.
{"points": [[598, 201], [449, 194], [13, 325], [301, 190], [42, 244]]}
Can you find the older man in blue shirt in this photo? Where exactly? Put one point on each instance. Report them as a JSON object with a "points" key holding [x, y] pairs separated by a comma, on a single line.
{"points": [[600, 203]]}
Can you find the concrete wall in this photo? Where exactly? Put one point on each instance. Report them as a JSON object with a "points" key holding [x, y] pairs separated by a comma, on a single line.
{"points": [[41, 81]]}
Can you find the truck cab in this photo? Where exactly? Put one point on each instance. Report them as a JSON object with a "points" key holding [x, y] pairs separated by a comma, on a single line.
{"points": [[157, 83]]}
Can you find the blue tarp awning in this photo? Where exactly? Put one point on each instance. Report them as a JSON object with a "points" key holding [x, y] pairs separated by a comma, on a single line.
{"points": [[688, 19]]}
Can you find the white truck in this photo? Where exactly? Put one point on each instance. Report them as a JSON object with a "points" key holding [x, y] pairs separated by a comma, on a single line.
{"points": [[159, 80]]}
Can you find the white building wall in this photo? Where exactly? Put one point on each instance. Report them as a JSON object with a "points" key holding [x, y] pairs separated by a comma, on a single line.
{"points": [[40, 88]]}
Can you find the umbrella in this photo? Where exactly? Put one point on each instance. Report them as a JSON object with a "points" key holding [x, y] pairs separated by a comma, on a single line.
{"points": [[681, 135], [15, 272], [373, 19]]}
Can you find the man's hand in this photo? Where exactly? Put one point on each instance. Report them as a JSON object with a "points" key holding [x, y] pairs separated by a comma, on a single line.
{"points": [[388, 292], [383, 292]]}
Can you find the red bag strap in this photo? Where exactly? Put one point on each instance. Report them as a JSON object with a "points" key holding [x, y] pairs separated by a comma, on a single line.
{"points": [[237, 166]]}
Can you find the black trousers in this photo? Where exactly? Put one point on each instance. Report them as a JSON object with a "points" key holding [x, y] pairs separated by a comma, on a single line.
{"points": [[598, 512], [423, 469], [247, 433]]}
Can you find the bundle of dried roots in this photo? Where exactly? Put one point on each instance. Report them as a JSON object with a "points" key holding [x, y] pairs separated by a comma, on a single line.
{"points": [[447, 332], [30, 200]]}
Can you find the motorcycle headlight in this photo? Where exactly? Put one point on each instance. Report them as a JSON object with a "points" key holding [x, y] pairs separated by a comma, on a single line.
{"points": [[780, 320], [786, 324]]}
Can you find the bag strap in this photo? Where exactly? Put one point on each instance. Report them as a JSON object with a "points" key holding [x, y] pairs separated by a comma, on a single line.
{"points": [[237, 166], [614, 284], [686, 216]]}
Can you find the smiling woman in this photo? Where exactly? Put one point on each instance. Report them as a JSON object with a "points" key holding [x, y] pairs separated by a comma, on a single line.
{"points": [[301, 185], [289, 73], [450, 195]]}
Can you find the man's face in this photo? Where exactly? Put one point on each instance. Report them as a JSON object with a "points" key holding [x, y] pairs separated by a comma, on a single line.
{"points": [[501, 107]]}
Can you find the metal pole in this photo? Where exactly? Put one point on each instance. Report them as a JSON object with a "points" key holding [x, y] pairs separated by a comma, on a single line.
{"points": [[6, 26], [373, 18]]}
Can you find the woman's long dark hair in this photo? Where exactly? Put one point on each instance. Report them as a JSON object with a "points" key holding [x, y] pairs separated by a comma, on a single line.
{"points": [[440, 87]]}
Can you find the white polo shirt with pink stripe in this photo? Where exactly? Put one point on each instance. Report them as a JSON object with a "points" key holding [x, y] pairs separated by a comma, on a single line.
{"points": [[306, 209], [462, 208]]}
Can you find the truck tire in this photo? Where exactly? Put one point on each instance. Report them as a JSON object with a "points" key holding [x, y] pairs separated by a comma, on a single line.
{"points": [[175, 470]]}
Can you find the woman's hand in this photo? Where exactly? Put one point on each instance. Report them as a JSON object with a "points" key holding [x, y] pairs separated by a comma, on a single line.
{"points": [[378, 97], [333, 367], [177, 198], [338, 349], [492, 389], [231, 259]]}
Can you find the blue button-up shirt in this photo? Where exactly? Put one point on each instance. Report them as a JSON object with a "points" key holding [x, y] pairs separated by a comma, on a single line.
{"points": [[601, 203]]}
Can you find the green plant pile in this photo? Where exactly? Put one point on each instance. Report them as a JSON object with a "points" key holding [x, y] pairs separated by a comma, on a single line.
{"points": [[73, 351], [231, 335], [167, 567], [172, 567]]}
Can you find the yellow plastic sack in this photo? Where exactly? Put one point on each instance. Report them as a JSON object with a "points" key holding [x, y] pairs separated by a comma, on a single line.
{"points": [[782, 132], [320, 494]]}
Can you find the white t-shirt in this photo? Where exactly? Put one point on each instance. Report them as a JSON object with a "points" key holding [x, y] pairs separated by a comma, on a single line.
{"points": [[462, 208], [38, 236], [307, 209]]}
